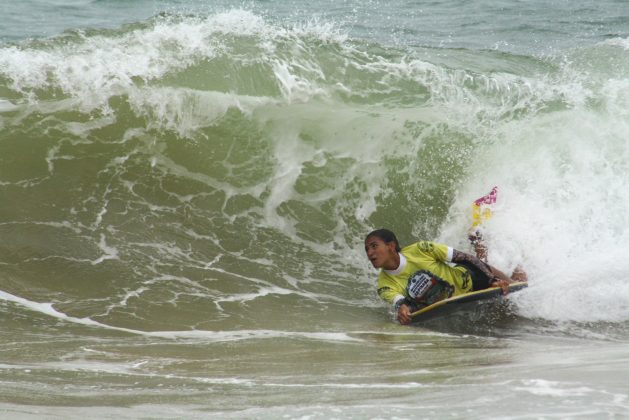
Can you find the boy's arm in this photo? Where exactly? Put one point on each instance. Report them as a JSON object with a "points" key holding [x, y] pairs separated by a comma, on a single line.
{"points": [[462, 257], [399, 302]]}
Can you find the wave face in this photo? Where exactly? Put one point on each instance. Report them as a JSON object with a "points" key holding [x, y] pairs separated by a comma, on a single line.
{"points": [[214, 172]]}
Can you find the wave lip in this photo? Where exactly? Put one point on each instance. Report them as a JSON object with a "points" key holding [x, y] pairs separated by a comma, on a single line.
{"points": [[96, 66]]}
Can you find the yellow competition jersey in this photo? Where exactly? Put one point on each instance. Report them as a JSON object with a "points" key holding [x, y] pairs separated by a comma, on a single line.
{"points": [[427, 256]]}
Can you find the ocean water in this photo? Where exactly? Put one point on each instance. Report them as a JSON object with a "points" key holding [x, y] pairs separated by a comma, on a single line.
{"points": [[185, 187]]}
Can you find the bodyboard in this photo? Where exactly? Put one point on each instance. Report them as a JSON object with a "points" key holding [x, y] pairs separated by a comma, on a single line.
{"points": [[454, 304]]}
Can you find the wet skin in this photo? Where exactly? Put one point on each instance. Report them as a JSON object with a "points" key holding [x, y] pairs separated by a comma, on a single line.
{"points": [[382, 254]]}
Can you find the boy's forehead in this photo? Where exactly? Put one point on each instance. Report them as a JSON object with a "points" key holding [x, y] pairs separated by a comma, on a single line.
{"points": [[372, 239]]}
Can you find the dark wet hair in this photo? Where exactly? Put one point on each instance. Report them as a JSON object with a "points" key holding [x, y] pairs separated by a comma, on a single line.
{"points": [[386, 235]]}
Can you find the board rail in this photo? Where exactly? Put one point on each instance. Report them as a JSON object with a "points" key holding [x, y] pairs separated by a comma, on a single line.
{"points": [[479, 295]]}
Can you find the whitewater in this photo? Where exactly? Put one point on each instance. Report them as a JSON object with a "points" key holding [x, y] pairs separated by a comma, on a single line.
{"points": [[185, 188]]}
